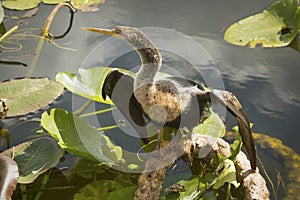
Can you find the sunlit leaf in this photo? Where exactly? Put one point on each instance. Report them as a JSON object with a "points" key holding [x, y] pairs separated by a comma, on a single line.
{"points": [[25, 4], [105, 189], [1, 13], [20, 4], [275, 27], [88, 84], [8, 176], [76, 136], [53, 1], [35, 157], [87, 5], [194, 187], [28, 94], [227, 175], [212, 126]]}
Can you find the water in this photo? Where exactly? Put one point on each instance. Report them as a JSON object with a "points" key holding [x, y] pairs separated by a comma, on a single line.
{"points": [[265, 80]]}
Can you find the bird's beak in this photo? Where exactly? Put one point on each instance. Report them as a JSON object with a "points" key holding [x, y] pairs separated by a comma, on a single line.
{"points": [[110, 32]]}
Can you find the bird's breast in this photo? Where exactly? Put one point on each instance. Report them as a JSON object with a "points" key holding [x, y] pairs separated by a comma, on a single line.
{"points": [[160, 104]]}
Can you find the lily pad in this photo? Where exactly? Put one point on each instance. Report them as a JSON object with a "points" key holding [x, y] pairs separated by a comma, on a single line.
{"points": [[76, 136], [105, 189], [28, 94], [21, 4], [87, 5], [35, 157], [275, 27], [8, 176], [53, 1], [212, 126], [88, 84], [25, 4]]}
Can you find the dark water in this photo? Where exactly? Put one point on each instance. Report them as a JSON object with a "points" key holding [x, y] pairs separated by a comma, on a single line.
{"points": [[265, 80]]}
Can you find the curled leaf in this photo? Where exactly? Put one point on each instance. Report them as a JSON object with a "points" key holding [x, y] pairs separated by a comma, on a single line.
{"points": [[35, 157], [8, 176]]}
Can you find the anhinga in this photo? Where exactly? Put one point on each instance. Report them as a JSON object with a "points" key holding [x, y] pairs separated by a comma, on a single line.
{"points": [[172, 102]]}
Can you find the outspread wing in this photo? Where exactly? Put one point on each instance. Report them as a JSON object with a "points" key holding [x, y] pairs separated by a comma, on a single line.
{"points": [[234, 107], [119, 87]]}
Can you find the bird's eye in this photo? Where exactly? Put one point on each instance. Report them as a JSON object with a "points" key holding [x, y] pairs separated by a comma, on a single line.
{"points": [[118, 31]]}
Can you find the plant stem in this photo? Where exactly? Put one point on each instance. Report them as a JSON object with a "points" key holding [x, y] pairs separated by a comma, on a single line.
{"points": [[97, 112], [44, 181], [45, 32], [23, 191], [10, 31], [83, 108]]}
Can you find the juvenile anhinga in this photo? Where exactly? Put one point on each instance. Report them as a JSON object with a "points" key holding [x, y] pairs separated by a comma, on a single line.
{"points": [[172, 102]]}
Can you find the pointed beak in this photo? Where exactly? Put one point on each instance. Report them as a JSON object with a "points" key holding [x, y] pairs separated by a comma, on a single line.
{"points": [[110, 32]]}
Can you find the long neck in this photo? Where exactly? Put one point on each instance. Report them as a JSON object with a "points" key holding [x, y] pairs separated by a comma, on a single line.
{"points": [[150, 58], [151, 64]]}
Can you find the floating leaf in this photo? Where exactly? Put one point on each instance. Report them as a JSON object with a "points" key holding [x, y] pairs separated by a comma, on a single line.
{"points": [[76, 136], [35, 157], [53, 1], [275, 27], [105, 189], [28, 94], [20, 4], [87, 5], [89, 84], [25, 4], [8, 176], [212, 126]]}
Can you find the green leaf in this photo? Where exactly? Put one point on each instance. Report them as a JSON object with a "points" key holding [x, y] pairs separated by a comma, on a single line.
{"points": [[21, 4], [89, 83], [35, 157], [105, 189], [227, 175], [236, 146], [1, 13], [28, 94], [87, 169], [76, 136], [285, 9], [197, 187], [53, 1], [87, 5], [212, 126], [192, 188], [25, 4], [297, 18], [275, 27]]}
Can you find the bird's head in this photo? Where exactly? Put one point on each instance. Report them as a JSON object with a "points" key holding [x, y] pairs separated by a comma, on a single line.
{"points": [[132, 35]]}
